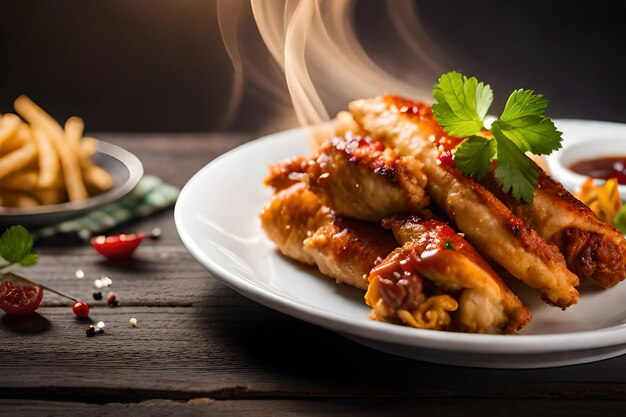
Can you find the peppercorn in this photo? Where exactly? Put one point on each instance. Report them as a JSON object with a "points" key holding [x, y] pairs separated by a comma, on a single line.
{"points": [[97, 296], [90, 331], [112, 300]]}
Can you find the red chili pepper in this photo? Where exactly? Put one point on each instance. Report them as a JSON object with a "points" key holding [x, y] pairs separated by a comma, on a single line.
{"points": [[117, 246], [19, 299]]}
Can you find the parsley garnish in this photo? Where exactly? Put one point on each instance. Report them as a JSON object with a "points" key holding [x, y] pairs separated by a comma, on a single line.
{"points": [[461, 107], [16, 247]]}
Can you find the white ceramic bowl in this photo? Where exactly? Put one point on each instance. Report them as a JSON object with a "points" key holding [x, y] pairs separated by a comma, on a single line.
{"points": [[583, 139]]}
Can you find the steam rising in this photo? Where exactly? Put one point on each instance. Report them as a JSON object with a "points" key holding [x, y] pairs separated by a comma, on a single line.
{"points": [[315, 51]]}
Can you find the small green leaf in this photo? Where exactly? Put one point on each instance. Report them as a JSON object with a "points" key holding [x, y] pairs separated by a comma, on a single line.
{"points": [[15, 244], [515, 171], [536, 134], [523, 103], [29, 260], [462, 103], [473, 156]]}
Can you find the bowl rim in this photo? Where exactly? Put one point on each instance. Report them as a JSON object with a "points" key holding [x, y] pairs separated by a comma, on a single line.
{"points": [[569, 178], [128, 159]]}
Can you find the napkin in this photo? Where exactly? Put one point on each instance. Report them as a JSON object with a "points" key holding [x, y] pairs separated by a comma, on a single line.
{"points": [[150, 195]]}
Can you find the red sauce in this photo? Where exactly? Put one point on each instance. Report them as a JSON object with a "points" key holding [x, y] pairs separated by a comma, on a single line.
{"points": [[605, 168]]}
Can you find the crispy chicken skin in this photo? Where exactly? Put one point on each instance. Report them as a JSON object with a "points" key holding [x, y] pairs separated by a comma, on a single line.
{"points": [[410, 128], [306, 230], [437, 280], [593, 249], [360, 178], [292, 215], [348, 249]]}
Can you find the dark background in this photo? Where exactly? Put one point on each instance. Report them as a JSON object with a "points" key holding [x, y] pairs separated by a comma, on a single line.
{"points": [[159, 65]]}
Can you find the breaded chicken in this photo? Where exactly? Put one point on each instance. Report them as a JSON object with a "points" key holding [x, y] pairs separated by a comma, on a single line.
{"points": [[452, 268], [306, 230], [410, 128]]}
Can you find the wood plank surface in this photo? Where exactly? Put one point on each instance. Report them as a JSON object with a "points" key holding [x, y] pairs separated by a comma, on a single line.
{"points": [[333, 407], [201, 348]]}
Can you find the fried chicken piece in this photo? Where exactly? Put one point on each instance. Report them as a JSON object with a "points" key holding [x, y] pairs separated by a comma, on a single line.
{"points": [[306, 230], [287, 172], [361, 179], [348, 249], [593, 249], [437, 280], [410, 128], [293, 215]]}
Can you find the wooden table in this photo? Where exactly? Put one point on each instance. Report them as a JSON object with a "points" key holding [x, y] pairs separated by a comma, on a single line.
{"points": [[201, 348]]}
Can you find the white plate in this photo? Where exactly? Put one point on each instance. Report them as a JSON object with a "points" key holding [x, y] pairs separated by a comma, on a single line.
{"points": [[217, 219]]}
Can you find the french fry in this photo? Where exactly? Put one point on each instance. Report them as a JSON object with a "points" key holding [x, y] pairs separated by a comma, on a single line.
{"points": [[49, 195], [74, 127], [24, 180], [97, 179], [19, 138], [87, 148], [17, 159], [49, 167], [9, 123], [72, 175], [10, 198]]}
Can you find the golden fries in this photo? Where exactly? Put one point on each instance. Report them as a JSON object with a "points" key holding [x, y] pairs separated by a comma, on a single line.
{"points": [[43, 163], [49, 166], [72, 175], [9, 123], [17, 159]]}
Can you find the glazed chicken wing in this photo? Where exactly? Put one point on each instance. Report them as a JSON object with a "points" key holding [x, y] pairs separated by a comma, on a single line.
{"points": [[306, 230], [361, 179], [410, 128], [593, 249], [436, 280]]}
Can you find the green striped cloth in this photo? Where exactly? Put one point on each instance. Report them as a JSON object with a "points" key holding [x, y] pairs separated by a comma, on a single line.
{"points": [[151, 194]]}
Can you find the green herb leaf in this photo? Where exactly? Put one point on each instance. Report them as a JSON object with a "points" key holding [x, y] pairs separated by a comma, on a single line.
{"points": [[29, 260], [524, 103], [523, 122], [462, 103], [16, 246], [461, 106], [515, 172], [473, 156]]}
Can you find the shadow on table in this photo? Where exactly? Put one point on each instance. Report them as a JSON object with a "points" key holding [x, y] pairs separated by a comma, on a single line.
{"points": [[28, 324], [299, 355]]}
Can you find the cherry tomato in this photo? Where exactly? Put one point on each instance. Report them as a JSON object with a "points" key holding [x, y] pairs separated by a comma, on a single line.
{"points": [[80, 309], [118, 246], [19, 299]]}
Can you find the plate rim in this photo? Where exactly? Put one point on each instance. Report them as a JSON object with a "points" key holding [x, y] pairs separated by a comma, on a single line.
{"points": [[377, 331]]}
